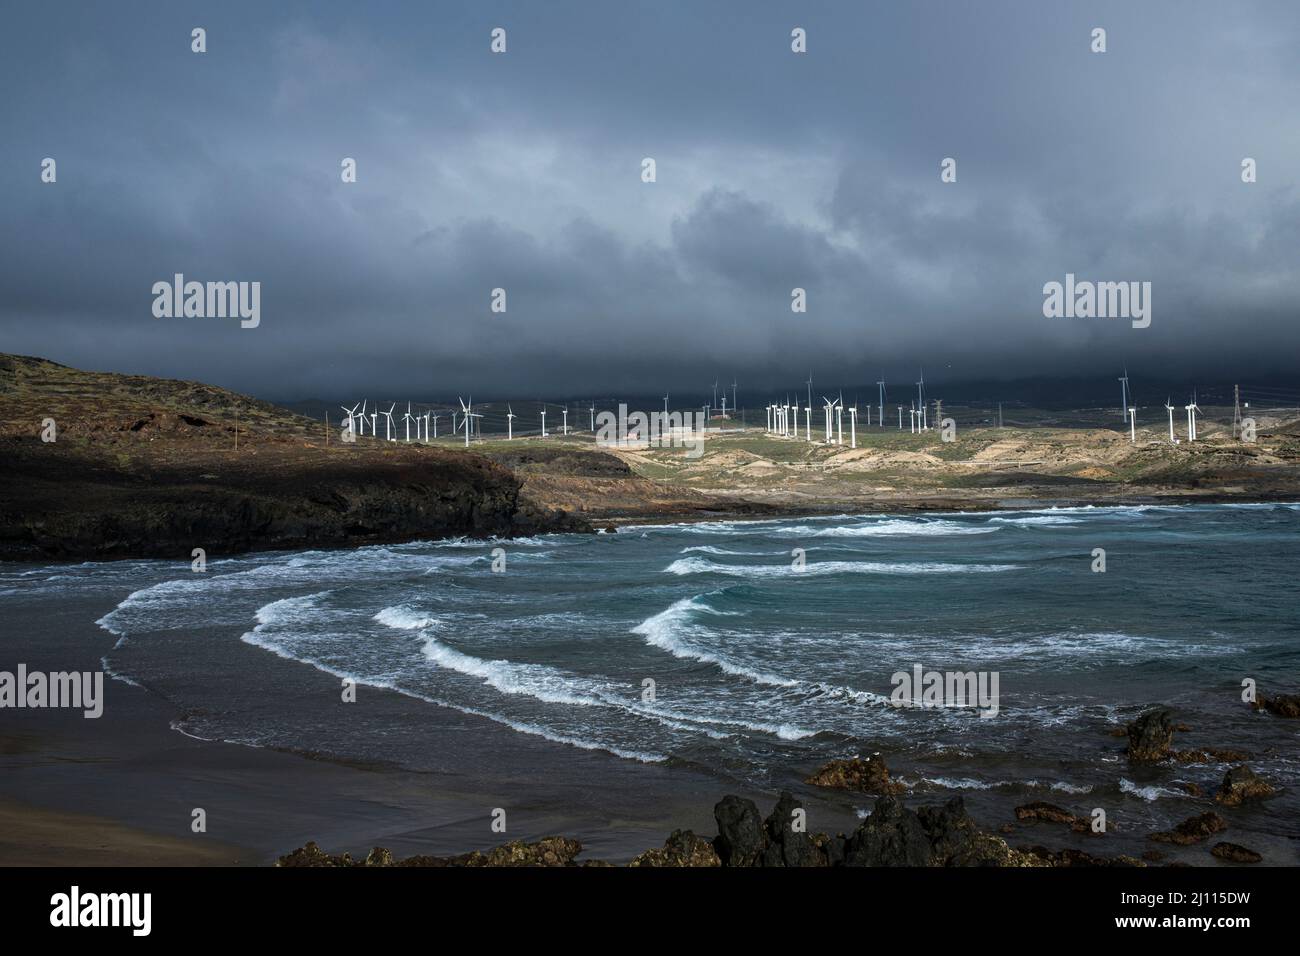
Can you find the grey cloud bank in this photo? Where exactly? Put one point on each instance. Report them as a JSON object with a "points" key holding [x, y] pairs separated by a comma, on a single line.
{"points": [[522, 171]]}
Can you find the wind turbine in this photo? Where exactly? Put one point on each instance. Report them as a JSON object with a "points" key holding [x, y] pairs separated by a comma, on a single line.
{"points": [[839, 420], [435, 424], [853, 424], [829, 406], [350, 412], [666, 404], [1169, 408], [1123, 386], [388, 424], [407, 419], [881, 383], [565, 413], [1192, 410], [734, 401], [425, 416], [510, 423], [807, 424], [593, 418], [470, 415], [374, 422], [715, 394], [809, 384], [920, 402], [1132, 424]]}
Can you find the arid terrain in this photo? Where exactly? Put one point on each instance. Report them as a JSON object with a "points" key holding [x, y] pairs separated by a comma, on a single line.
{"points": [[141, 466]]}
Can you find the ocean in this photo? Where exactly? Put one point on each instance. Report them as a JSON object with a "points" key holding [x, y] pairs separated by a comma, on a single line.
{"points": [[702, 647]]}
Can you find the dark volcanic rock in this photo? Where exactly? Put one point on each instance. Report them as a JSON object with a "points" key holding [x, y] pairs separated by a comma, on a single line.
{"points": [[741, 838], [868, 776], [1280, 705], [1192, 830], [1071, 857], [786, 845], [682, 848], [548, 851], [891, 836], [1235, 853], [932, 836], [1045, 811], [1241, 784], [1150, 738]]}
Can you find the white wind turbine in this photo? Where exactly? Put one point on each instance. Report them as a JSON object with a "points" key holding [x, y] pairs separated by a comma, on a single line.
{"points": [[351, 413], [407, 419], [593, 418], [510, 423], [1132, 424], [830, 406], [839, 420], [470, 415], [374, 422], [543, 421], [853, 425], [565, 413], [1192, 411], [807, 423], [425, 416], [796, 414], [388, 426], [1169, 408]]}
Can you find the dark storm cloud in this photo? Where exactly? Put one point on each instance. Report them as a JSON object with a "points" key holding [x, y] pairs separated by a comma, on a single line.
{"points": [[523, 172]]}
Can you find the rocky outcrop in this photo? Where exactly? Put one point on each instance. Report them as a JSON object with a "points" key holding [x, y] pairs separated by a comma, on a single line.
{"points": [[1280, 705], [866, 776], [682, 848], [1151, 741], [1150, 738], [1241, 784], [1235, 853], [741, 836], [548, 851], [894, 835], [1192, 830]]}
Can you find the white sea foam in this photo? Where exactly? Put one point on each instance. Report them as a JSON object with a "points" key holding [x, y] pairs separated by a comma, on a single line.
{"points": [[667, 631], [1149, 794], [687, 566]]}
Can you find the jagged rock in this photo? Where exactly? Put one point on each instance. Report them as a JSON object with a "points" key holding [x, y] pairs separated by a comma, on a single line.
{"points": [[1077, 858], [682, 848], [1192, 789], [548, 851], [1192, 830], [932, 836], [1150, 737], [1038, 810], [1235, 853], [891, 836], [1280, 705], [1209, 755], [787, 846], [310, 855], [1241, 784], [741, 839], [868, 776]]}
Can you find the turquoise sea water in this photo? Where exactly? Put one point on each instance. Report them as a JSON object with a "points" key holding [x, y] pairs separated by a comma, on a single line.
{"points": [[760, 671]]}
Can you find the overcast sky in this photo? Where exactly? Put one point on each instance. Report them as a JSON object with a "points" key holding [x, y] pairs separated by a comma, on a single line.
{"points": [[774, 170]]}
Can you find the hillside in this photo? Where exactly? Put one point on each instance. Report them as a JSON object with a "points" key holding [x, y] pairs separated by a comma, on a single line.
{"points": [[152, 467]]}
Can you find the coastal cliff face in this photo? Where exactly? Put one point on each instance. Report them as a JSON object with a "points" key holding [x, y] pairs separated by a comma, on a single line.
{"points": [[143, 467]]}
